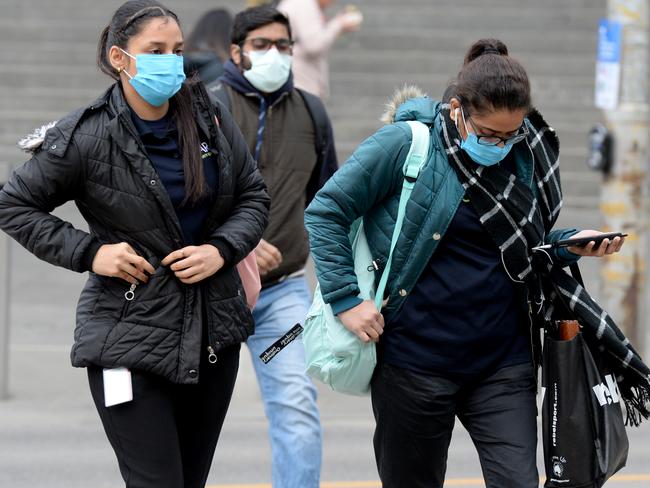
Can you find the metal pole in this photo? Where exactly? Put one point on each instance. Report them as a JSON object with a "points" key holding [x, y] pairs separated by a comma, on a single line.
{"points": [[624, 197], [4, 303]]}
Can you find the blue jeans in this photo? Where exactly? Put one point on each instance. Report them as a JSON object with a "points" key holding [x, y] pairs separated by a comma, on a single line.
{"points": [[289, 395]]}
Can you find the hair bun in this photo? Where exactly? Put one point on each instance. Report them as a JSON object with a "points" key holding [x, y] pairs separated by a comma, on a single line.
{"points": [[485, 46], [491, 50]]}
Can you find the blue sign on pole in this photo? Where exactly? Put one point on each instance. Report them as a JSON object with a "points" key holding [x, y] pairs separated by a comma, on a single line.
{"points": [[608, 64], [609, 41]]}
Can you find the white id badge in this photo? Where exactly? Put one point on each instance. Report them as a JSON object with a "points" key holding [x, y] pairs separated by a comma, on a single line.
{"points": [[117, 386]]}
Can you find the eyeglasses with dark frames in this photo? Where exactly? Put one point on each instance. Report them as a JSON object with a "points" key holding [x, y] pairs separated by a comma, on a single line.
{"points": [[490, 140], [283, 45]]}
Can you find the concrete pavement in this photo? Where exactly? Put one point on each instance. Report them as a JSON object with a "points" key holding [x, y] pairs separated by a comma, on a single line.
{"points": [[50, 436]]}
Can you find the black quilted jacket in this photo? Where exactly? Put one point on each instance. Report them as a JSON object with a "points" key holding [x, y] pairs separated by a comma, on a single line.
{"points": [[95, 157]]}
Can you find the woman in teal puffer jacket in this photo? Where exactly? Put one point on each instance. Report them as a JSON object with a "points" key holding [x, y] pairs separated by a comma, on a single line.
{"points": [[455, 338]]}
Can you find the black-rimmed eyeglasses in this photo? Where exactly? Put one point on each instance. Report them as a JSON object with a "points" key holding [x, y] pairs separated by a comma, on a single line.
{"points": [[264, 44], [491, 140]]}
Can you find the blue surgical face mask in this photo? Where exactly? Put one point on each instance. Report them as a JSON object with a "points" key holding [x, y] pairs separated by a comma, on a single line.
{"points": [[159, 76], [269, 70], [482, 154]]}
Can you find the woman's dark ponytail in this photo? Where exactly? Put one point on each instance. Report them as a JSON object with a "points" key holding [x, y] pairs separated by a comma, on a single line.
{"points": [[128, 20], [196, 186], [102, 54], [491, 80]]}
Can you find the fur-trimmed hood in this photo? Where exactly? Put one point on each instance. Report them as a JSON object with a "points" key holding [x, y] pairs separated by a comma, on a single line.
{"points": [[32, 142], [409, 103]]}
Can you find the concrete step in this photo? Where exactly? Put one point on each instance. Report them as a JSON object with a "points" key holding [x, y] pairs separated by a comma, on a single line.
{"points": [[33, 99], [446, 39], [375, 62], [433, 18], [79, 77]]}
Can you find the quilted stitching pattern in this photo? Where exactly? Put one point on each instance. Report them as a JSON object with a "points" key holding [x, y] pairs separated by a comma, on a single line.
{"points": [[91, 156], [369, 184]]}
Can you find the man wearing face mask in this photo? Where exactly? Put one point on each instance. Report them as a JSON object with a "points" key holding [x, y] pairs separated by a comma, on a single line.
{"points": [[289, 134]]}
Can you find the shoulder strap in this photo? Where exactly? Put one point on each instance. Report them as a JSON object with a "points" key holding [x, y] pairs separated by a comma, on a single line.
{"points": [[415, 159], [318, 116], [217, 92]]}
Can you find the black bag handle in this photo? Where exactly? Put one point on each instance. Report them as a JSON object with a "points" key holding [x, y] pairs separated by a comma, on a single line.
{"points": [[577, 275]]}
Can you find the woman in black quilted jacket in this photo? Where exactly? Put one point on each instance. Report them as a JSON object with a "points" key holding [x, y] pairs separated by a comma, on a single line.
{"points": [[173, 201]]}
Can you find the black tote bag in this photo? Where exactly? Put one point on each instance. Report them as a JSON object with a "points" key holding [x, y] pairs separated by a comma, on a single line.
{"points": [[582, 423]]}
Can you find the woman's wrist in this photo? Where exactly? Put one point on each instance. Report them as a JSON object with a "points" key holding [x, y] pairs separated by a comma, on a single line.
{"points": [[89, 255], [225, 249]]}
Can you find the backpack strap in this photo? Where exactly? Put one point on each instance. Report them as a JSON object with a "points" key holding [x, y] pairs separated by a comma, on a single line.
{"points": [[415, 160], [326, 161], [319, 118], [218, 93]]}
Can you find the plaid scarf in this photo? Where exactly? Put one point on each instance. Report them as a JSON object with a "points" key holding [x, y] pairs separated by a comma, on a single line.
{"points": [[518, 220]]}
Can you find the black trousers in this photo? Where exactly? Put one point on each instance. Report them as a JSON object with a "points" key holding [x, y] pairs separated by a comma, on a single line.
{"points": [[415, 415], [166, 436]]}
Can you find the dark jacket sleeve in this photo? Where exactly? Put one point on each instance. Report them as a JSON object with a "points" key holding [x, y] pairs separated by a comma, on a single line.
{"points": [[33, 191], [562, 255], [243, 230]]}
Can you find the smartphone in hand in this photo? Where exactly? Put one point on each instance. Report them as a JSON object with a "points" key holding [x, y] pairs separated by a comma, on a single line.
{"points": [[581, 241]]}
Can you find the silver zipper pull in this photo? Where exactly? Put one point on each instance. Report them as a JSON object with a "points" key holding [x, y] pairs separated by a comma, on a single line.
{"points": [[212, 357], [375, 265], [130, 295]]}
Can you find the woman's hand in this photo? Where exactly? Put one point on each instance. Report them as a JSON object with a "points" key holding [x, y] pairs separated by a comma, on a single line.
{"points": [[606, 247], [364, 320], [121, 261], [192, 264]]}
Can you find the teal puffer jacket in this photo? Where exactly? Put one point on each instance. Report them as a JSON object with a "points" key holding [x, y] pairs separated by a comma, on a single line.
{"points": [[369, 185]]}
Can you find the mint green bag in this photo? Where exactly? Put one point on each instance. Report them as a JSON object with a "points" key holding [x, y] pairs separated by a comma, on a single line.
{"points": [[336, 356]]}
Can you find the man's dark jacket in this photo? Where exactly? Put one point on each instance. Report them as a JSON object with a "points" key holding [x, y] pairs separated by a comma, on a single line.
{"points": [[94, 156], [297, 156]]}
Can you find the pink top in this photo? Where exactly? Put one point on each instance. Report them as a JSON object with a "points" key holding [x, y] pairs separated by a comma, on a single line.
{"points": [[314, 37]]}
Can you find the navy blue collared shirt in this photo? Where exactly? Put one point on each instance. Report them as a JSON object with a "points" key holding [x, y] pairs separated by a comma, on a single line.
{"points": [[160, 139], [465, 317]]}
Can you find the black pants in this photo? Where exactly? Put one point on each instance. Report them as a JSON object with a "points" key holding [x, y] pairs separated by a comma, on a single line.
{"points": [[415, 415], [166, 436]]}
